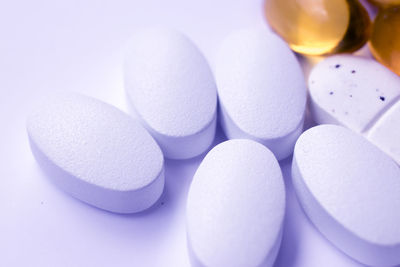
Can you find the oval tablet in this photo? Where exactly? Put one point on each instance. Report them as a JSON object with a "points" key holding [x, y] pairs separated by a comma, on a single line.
{"points": [[350, 190], [97, 153], [172, 91], [261, 88], [235, 207], [361, 94]]}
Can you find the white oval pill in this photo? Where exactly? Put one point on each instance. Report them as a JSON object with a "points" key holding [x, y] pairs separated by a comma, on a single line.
{"points": [[261, 88], [350, 190], [235, 206], [97, 153], [172, 90], [361, 94]]}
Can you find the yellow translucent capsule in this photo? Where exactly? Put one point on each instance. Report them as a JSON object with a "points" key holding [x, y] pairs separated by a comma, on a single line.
{"points": [[385, 38], [385, 2], [317, 27]]}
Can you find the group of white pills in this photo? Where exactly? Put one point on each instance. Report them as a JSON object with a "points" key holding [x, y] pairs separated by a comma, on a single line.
{"points": [[348, 187]]}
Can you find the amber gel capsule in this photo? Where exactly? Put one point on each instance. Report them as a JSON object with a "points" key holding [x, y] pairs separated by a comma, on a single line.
{"points": [[385, 2], [385, 38], [317, 27]]}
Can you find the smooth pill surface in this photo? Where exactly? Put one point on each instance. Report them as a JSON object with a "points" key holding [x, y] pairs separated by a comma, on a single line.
{"points": [[319, 27], [236, 206], [261, 88], [385, 38], [96, 153], [172, 91], [360, 94], [350, 190]]}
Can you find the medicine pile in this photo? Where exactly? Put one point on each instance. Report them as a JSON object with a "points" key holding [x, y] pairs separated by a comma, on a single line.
{"points": [[344, 90], [335, 26], [319, 27], [345, 171]]}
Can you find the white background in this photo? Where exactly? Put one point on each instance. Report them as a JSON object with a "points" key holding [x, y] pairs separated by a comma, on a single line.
{"points": [[77, 45]]}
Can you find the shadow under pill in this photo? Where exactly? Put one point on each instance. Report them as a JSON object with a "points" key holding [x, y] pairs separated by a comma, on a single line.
{"points": [[291, 238]]}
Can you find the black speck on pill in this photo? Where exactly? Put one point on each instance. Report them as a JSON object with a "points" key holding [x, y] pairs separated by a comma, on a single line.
{"points": [[377, 89], [350, 95], [382, 98], [331, 92], [353, 71], [337, 66]]}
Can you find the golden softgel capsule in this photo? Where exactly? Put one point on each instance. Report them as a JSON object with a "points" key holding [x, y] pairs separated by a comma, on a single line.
{"points": [[385, 38], [385, 2], [317, 27]]}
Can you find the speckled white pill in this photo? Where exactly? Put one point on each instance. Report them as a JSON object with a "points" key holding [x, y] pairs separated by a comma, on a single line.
{"points": [[350, 190], [361, 94], [172, 91], [235, 207], [261, 88], [97, 153]]}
